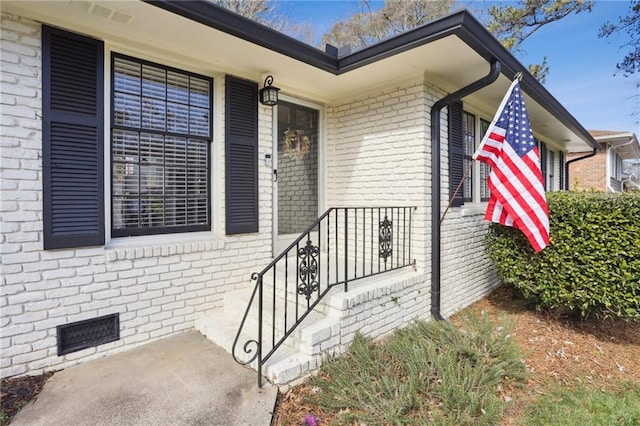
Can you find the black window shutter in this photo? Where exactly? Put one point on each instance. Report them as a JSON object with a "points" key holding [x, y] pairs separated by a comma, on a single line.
{"points": [[241, 154], [543, 163], [73, 139], [561, 161], [456, 152]]}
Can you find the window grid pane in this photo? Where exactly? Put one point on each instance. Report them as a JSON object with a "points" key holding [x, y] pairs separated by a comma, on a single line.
{"points": [[469, 133], [485, 169], [160, 179]]}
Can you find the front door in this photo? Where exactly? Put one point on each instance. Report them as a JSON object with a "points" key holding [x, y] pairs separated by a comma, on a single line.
{"points": [[296, 171]]}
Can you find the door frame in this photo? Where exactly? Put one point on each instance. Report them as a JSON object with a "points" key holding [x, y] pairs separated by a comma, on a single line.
{"points": [[279, 243]]}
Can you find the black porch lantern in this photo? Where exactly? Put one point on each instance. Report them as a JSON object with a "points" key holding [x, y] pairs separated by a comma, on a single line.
{"points": [[269, 93]]}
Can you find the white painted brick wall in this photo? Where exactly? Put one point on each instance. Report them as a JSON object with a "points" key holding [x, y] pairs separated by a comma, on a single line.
{"points": [[159, 288], [386, 136], [379, 312], [377, 153], [374, 309], [467, 274]]}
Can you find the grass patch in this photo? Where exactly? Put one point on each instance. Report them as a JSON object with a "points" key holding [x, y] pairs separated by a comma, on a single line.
{"points": [[585, 405], [432, 372]]}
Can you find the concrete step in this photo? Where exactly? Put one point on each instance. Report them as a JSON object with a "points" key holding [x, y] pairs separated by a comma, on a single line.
{"points": [[319, 334], [307, 336], [285, 365]]}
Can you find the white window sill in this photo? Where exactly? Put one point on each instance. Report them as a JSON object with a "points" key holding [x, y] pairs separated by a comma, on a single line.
{"points": [[145, 246], [473, 209]]}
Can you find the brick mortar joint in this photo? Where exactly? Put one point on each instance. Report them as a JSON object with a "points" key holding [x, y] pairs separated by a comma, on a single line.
{"points": [[161, 250], [388, 290]]}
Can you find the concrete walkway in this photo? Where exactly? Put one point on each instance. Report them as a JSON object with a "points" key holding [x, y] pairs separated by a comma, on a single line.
{"points": [[180, 380]]}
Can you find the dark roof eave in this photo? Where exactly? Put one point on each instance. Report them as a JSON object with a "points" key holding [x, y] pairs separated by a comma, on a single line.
{"points": [[461, 24], [440, 28]]}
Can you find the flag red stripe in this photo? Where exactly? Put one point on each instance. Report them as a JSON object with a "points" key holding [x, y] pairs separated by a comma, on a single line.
{"points": [[516, 184], [519, 211], [511, 190], [514, 173], [507, 193], [496, 137]]}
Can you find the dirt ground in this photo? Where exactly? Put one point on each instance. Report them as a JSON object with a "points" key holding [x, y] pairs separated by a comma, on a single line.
{"points": [[16, 392], [558, 351]]}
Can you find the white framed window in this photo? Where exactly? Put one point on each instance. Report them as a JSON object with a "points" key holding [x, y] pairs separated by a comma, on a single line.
{"points": [[551, 171], [476, 187], [616, 165], [161, 131], [550, 164]]}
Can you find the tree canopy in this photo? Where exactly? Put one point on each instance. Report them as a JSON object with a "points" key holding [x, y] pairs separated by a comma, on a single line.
{"points": [[271, 14], [629, 24], [369, 26], [514, 23], [265, 12]]}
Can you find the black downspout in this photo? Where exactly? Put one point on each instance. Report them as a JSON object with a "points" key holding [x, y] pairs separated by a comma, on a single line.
{"points": [[566, 167], [493, 75]]}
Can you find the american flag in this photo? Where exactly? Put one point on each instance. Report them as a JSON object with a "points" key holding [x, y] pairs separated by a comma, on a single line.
{"points": [[517, 191]]}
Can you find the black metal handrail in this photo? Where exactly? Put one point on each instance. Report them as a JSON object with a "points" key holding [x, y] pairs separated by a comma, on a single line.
{"points": [[344, 244]]}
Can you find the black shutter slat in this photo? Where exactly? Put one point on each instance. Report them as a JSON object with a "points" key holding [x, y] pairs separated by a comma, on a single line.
{"points": [[456, 152], [73, 133], [241, 154], [73, 73]]}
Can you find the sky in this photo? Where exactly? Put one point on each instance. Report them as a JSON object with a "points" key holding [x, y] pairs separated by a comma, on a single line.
{"points": [[582, 66]]}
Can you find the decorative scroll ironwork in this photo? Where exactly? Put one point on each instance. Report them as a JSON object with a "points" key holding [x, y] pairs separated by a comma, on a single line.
{"points": [[308, 270], [346, 236], [251, 353], [386, 238]]}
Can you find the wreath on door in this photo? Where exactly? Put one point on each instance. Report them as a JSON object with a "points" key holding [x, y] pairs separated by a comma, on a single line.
{"points": [[296, 144]]}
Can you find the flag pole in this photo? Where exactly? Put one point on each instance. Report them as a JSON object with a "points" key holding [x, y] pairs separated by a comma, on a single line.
{"points": [[455, 193], [516, 79]]}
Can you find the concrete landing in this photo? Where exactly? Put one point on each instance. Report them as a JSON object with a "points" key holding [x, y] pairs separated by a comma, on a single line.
{"points": [[180, 380]]}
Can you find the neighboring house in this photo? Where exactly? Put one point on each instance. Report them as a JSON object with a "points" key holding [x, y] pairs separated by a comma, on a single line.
{"points": [[143, 182], [603, 171]]}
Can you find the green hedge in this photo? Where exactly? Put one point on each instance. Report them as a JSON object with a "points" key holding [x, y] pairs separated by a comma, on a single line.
{"points": [[592, 265]]}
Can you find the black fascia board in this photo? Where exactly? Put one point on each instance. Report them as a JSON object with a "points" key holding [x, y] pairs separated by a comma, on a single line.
{"points": [[229, 22], [462, 24], [440, 28]]}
